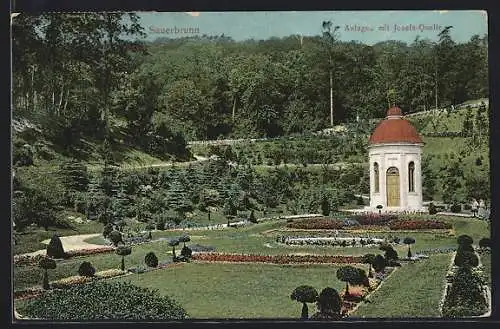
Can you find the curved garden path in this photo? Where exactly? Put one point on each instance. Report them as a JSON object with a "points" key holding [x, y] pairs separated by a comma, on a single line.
{"points": [[71, 242]]}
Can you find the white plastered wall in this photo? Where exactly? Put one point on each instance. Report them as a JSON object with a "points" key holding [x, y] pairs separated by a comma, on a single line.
{"points": [[399, 156]]}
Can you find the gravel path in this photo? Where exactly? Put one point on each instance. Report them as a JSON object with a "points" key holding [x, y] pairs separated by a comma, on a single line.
{"points": [[71, 242]]}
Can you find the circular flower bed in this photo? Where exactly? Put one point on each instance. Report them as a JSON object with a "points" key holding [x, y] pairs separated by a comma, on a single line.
{"points": [[328, 241]]}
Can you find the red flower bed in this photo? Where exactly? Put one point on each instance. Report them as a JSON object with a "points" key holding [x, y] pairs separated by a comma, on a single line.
{"points": [[317, 224], [86, 252], [28, 293], [276, 259], [373, 219], [20, 260], [418, 225]]}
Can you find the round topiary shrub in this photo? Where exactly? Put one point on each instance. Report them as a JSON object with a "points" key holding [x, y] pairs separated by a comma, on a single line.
{"points": [[151, 260], [46, 264], [464, 240], [485, 243], [86, 269], [55, 248], [329, 305]]}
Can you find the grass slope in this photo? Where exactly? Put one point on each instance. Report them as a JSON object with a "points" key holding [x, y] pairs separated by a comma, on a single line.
{"points": [[414, 290]]}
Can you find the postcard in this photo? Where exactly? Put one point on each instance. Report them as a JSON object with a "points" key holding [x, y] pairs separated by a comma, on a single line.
{"points": [[271, 165]]}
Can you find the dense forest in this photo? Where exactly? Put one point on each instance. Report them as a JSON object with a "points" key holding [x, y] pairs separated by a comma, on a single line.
{"points": [[90, 74]]}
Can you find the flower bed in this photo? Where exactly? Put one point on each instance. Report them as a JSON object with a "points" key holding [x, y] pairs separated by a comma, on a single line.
{"points": [[87, 252], [442, 250], [109, 273], [373, 219], [77, 279], [328, 241], [28, 293], [277, 259], [418, 224], [22, 260], [70, 281], [368, 222], [201, 248], [317, 223]]}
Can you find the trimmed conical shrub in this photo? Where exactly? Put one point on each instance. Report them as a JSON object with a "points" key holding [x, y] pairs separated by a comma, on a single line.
{"points": [[55, 248]]}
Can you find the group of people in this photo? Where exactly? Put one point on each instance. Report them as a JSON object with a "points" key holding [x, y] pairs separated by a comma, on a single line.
{"points": [[477, 206]]}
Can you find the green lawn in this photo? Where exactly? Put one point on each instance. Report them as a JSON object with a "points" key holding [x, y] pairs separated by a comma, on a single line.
{"points": [[254, 239], [262, 290], [412, 291], [238, 290]]}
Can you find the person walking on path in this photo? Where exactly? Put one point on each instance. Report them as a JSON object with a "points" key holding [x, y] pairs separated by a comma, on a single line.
{"points": [[474, 207]]}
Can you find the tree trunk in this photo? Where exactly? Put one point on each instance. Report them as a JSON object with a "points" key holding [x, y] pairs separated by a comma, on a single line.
{"points": [[123, 263], [208, 214], [409, 252], [173, 251], [61, 96], [45, 283], [305, 311], [331, 99], [66, 101], [347, 288], [436, 89], [234, 108]]}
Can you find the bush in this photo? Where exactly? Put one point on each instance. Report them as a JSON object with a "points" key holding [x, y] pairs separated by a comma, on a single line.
{"points": [[465, 240], [115, 237], [55, 248], [465, 296], [378, 263], [151, 260], [186, 252], [86, 269], [391, 256], [252, 217], [432, 209], [485, 243], [124, 301], [22, 154], [456, 207], [160, 224], [329, 305], [466, 259], [108, 228]]}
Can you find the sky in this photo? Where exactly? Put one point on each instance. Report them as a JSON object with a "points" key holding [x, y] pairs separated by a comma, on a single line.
{"points": [[368, 27]]}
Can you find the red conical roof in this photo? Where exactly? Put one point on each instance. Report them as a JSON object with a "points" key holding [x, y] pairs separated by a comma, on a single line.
{"points": [[395, 129]]}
